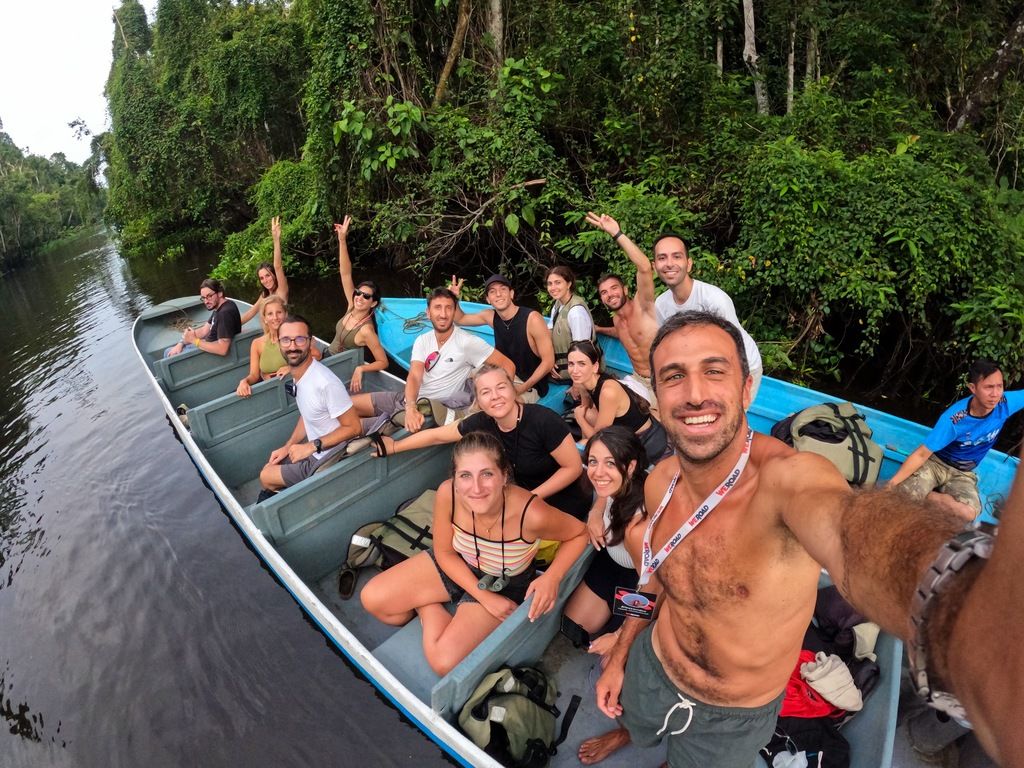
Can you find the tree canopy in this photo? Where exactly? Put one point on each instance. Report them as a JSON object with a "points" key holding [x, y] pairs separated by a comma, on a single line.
{"points": [[40, 198], [848, 171]]}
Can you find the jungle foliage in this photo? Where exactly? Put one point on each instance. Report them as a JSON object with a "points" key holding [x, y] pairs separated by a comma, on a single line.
{"points": [[848, 172], [41, 199]]}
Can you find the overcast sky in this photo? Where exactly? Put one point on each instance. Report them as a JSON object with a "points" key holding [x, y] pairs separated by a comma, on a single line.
{"points": [[54, 61]]}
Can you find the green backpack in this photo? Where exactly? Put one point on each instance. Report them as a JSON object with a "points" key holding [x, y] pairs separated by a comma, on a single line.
{"points": [[840, 433], [512, 714], [387, 543]]}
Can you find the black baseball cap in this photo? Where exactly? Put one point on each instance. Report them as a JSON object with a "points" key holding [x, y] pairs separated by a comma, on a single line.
{"points": [[496, 278]]}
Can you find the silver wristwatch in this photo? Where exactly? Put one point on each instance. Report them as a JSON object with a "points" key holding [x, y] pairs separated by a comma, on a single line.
{"points": [[952, 558]]}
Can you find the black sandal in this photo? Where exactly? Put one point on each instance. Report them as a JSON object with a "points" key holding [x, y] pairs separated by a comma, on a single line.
{"points": [[380, 448]]}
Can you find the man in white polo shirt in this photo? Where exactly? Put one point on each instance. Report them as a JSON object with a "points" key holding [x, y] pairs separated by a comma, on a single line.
{"points": [[327, 419]]}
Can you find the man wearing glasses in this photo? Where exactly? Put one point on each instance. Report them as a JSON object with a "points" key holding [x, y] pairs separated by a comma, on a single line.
{"points": [[216, 333], [327, 420]]}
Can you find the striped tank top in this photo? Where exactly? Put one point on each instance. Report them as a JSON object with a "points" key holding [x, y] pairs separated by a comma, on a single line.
{"points": [[514, 555]]}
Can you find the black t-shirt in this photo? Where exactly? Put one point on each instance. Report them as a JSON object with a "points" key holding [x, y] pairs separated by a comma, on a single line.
{"points": [[225, 322], [539, 432]]}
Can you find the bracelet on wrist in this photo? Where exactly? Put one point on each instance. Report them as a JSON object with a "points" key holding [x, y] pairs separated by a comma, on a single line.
{"points": [[617, 235]]}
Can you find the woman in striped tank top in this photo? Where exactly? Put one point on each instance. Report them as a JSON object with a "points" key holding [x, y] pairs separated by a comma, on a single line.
{"points": [[486, 533]]}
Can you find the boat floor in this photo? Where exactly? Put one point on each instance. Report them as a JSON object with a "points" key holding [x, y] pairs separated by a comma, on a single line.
{"points": [[575, 670], [576, 673]]}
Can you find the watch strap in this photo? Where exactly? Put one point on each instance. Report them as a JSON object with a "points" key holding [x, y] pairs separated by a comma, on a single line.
{"points": [[950, 561]]}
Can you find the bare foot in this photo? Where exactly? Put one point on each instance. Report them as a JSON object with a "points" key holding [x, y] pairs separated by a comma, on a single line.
{"points": [[598, 748]]}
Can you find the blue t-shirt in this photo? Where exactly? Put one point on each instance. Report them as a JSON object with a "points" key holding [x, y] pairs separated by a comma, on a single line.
{"points": [[962, 440]]}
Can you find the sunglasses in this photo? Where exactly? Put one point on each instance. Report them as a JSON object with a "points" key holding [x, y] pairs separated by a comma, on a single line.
{"points": [[431, 360], [290, 389], [298, 341], [363, 294]]}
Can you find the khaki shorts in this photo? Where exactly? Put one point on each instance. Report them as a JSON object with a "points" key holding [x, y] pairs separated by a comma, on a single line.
{"points": [[937, 475]]}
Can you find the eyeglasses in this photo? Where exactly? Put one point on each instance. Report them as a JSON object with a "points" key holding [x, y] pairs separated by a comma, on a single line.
{"points": [[367, 296], [432, 359], [290, 389], [298, 341], [207, 296]]}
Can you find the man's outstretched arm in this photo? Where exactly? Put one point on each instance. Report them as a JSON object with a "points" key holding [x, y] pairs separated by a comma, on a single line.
{"points": [[877, 545]]}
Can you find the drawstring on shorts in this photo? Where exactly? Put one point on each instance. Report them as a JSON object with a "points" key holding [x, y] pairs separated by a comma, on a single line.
{"points": [[683, 703]]}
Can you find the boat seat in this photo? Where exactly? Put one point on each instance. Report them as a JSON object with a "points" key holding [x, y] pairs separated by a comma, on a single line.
{"points": [[195, 377], [229, 415], [516, 640]]}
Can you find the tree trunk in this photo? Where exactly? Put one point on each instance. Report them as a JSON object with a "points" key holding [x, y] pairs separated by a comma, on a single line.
{"points": [[790, 65], [461, 25], [987, 80], [811, 71], [750, 57], [720, 49], [496, 26]]}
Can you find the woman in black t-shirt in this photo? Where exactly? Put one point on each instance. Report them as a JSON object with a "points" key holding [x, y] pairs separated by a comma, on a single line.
{"points": [[538, 444]]}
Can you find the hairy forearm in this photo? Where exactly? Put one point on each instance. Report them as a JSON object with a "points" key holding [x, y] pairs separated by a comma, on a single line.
{"points": [[887, 540]]}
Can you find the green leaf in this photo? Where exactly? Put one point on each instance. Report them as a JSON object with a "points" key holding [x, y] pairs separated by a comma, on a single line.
{"points": [[512, 224], [528, 215]]}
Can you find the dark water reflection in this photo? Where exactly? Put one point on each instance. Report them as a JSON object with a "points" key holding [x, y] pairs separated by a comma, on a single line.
{"points": [[136, 628]]}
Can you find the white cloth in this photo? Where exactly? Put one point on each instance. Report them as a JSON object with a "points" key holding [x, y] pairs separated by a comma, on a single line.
{"points": [[865, 636], [321, 398], [830, 677], [461, 354], [617, 552], [712, 298], [581, 324]]}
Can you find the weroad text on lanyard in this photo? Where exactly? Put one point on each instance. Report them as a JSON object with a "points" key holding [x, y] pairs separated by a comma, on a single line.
{"points": [[650, 563]]}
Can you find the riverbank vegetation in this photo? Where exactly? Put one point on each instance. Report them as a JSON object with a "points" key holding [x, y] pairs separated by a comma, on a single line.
{"points": [[41, 200], [848, 171]]}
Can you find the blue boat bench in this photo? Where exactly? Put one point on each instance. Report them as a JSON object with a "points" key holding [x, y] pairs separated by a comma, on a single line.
{"points": [[236, 434], [516, 640], [195, 377]]}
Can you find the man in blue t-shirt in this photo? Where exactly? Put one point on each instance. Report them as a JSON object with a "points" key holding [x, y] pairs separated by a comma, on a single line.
{"points": [[959, 441]]}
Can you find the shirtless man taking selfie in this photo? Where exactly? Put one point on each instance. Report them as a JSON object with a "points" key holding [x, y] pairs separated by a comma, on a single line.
{"points": [[736, 596]]}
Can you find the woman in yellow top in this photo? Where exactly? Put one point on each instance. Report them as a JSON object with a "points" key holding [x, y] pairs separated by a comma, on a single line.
{"points": [[271, 276], [358, 326], [265, 357]]}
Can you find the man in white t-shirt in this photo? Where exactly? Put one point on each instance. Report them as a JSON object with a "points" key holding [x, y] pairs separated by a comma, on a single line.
{"points": [[327, 419], [672, 262], [441, 363]]}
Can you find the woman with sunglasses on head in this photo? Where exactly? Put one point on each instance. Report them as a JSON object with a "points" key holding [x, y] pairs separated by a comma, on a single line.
{"points": [[540, 448], [273, 280], [606, 401], [486, 533], [616, 467], [570, 317], [358, 326]]}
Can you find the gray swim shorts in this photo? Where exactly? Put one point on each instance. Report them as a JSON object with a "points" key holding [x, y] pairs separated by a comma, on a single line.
{"points": [[699, 735], [294, 473]]}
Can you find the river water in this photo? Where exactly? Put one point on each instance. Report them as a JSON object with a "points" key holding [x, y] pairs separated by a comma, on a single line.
{"points": [[136, 627]]}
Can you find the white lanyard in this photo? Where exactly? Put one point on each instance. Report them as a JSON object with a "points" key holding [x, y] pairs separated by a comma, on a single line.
{"points": [[650, 563]]}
